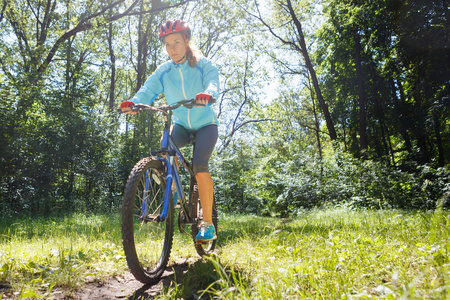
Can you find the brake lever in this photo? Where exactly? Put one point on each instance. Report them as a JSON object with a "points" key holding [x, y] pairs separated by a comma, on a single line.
{"points": [[120, 111], [141, 106], [189, 106]]}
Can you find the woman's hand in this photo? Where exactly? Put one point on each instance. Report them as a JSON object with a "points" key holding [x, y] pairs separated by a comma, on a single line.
{"points": [[127, 107], [202, 99]]}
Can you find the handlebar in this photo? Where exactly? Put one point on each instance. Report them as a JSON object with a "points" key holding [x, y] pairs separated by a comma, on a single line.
{"points": [[188, 103]]}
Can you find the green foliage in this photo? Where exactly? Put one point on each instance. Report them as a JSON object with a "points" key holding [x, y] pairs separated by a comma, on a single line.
{"points": [[62, 149], [397, 40], [307, 182], [232, 189]]}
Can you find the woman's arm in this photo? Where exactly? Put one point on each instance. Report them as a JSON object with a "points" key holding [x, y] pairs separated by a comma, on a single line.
{"points": [[151, 88], [210, 77]]}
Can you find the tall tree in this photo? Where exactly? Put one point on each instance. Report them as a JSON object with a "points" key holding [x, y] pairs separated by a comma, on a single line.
{"points": [[33, 43], [423, 37], [296, 41], [54, 134], [112, 59], [397, 41], [361, 91]]}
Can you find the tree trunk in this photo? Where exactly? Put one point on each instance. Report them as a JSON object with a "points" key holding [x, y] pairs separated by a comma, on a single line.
{"points": [[317, 127], [381, 118], [310, 68], [144, 32], [361, 95], [112, 58], [420, 128], [402, 125], [437, 131], [140, 59]]}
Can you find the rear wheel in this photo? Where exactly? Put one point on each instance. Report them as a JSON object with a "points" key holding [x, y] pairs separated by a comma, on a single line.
{"points": [[205, 248], [147, 239]]}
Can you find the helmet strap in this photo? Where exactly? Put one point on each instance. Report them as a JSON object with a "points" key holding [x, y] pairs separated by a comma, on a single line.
{"points": [[178, 61]]}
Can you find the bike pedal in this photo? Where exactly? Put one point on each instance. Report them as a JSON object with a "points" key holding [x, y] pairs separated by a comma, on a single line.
{"points": [[153, 218]]}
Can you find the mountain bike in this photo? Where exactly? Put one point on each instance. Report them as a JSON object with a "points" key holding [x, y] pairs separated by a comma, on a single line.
{"points": [[149, 210]]}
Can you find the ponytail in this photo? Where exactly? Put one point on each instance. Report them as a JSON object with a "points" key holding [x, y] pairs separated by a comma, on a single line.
{"points": [[193, 55]]}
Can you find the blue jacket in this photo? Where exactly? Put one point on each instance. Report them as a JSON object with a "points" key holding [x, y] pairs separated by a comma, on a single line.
{"points": [[180, 82]]}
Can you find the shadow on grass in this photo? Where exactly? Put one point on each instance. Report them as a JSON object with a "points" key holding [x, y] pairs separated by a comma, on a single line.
{"points": [[189, 281], [203, 279]]}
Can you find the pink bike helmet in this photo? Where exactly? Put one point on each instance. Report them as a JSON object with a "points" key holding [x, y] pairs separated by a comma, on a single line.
{"points": [[174, 26]]}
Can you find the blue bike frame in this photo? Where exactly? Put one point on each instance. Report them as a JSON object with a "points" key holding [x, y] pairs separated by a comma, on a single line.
{"points": [[172, 174]]}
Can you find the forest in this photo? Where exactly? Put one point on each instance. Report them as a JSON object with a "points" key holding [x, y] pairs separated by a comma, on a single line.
{"points": [[323, 103]]}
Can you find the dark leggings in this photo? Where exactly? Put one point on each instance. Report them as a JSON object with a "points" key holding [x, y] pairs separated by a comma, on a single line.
{"points": [[205, 140]]}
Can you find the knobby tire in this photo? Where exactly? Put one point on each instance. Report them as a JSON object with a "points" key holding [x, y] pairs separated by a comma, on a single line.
{"points": [[147, 241]]}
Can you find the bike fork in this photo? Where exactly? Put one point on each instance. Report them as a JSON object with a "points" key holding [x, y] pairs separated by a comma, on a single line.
{"points": [[145, 202]]}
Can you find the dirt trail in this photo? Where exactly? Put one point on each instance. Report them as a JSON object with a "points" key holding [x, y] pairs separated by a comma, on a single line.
{"points": [[125, 286], [120, 287]]}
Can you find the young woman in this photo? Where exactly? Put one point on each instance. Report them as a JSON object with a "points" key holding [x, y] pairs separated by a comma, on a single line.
{"points": [[187, 75]]}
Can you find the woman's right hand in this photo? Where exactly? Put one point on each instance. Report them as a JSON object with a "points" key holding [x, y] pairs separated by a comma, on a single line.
{"points": [[127, 107]]}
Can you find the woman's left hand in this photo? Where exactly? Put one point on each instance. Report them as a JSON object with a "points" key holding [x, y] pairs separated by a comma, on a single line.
{"points": [[202, 99]]}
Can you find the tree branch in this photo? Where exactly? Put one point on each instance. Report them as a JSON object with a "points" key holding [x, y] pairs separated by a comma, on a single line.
{"points": [[87, 24], [245, 94], [285, 42], [239, 127], [3, 11], [46, 22], [8, 74]]}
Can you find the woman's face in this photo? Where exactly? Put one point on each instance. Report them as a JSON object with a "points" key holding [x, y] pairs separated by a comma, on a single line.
{"points": [[176, 47]]}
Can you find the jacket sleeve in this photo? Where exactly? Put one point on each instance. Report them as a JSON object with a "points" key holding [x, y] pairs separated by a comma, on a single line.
{"points": [[210, 77], [150, 90]]}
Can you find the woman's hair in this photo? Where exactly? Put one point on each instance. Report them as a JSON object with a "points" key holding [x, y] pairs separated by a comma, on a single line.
{"points": [[193, 55]]}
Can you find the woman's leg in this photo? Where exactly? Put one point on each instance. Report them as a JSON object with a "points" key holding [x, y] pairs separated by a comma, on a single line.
{"points": [[206, 193], [206, 139], [180, 136]]}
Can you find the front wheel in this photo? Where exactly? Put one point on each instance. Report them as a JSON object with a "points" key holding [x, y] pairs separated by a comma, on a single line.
{"points": [[147, 239]]}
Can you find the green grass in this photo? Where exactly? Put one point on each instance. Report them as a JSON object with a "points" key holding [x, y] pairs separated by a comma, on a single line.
{"points": [[322, 254], [327, 254], [39, 254]]}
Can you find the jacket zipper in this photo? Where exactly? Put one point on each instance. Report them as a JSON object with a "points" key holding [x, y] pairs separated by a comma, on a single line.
{"points": [[184, 94]]}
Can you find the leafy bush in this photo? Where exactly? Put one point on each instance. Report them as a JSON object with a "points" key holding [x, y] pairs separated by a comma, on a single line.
{"points": [[233, 192], [305, 182]]}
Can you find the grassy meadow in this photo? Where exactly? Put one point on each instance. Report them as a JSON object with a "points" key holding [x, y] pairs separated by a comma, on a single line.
{"points": [[321, 254]]}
